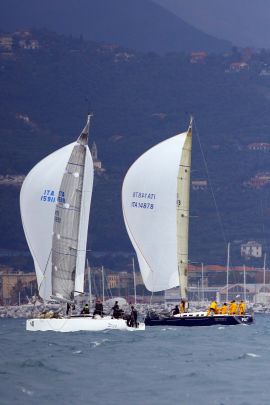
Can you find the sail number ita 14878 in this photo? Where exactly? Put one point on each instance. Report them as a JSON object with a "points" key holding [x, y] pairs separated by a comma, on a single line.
{"points": [[145, 196]]}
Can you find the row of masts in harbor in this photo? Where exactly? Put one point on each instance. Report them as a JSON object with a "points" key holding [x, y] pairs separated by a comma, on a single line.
{"points": [[89, 279], [201, 298]]}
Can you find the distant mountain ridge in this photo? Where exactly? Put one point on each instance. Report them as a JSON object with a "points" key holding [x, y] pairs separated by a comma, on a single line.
{"points": [[138, 100], [244, 22], [141, 24]]}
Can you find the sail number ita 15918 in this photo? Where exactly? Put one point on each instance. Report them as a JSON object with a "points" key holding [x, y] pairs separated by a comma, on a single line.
{"points": [[51, 196]]}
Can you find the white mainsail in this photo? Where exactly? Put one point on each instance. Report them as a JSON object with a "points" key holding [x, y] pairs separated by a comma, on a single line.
{"points": [[155, 200], [55, 204]]}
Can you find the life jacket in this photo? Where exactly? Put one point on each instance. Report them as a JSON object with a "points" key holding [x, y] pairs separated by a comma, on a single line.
{"points": [[233, 308], [224, 309], [242, 308], [213, 305], [182, 307]]}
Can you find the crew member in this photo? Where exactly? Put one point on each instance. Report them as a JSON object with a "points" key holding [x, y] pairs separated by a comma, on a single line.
{"points": [[176, 310], [85, 310], [242, 308], [183, 306], [224, 309], [213, 308], [116, 310], [98, 308], [133, 317], [233, 308]]}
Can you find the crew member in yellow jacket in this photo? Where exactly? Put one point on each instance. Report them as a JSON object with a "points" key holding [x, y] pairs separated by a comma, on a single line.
{"points": [[242, 308], [213, 309], [182, 306], [224, 309], [233, 308]]}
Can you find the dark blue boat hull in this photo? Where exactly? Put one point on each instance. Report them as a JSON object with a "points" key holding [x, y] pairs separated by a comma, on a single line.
{"points": [[199, 321]]}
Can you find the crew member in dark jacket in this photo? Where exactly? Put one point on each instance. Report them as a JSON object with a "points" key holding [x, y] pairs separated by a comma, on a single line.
{"points": [[98, 308], [85, 310], [176, 310], [133, 317], [116, 310]]}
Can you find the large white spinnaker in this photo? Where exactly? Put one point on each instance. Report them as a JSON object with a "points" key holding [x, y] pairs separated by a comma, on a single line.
{"points": [[151, 202], [40, 198]]}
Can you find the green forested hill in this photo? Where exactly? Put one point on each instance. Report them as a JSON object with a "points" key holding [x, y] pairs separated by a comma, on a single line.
{"points": [[142, 24], [138, 100]]}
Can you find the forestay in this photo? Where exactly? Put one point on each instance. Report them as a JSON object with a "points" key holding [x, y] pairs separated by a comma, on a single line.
{"points": [[150, 204]]}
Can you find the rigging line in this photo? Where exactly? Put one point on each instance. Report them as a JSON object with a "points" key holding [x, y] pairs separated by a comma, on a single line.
{"points": [[152, 294], [210, 184], [39, 285], [261, 214]]}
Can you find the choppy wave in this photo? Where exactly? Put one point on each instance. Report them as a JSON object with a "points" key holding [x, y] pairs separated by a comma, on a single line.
{"points": [[188, 366]]}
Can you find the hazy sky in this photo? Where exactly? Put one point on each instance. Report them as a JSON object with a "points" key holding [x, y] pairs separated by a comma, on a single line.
{"points": [[244, 22]]}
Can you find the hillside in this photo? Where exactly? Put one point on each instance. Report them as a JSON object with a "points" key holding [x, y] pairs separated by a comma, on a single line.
{"points": [[138, 100], [243, 22], [141, 24]]}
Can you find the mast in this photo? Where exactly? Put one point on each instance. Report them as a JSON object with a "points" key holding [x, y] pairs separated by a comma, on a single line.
{"points": [[202, 283], [228, 267], [245, 291], [264, 267], [83, 138], [182, 212], [134, 280], [102, 271], [69, 230], [89, 284]]}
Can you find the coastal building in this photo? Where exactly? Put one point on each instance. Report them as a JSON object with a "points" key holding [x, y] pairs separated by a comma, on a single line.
{"points": [[15, 180], [261, 146], [6, 42], [237, 67], [123, 57], [112, 280], [251, 249], [123, 279], [29, 44], [22, 39], [13, 283], [199, 185], [198, 57], [258, 181], [265, 72]]}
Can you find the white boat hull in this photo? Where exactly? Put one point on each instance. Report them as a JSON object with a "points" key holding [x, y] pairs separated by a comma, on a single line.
{"points": [[75, 324]]}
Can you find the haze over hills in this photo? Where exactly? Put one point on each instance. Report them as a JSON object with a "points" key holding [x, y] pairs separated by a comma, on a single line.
{"points": [[138, 100], [141, 24], [243, 22]]}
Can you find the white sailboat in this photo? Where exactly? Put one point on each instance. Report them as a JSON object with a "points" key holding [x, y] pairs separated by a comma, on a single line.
{"points": [[55, 205], [155, 201]]}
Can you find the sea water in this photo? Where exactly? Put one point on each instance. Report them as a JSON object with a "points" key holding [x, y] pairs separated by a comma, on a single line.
{"points": [[163, 365]]}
